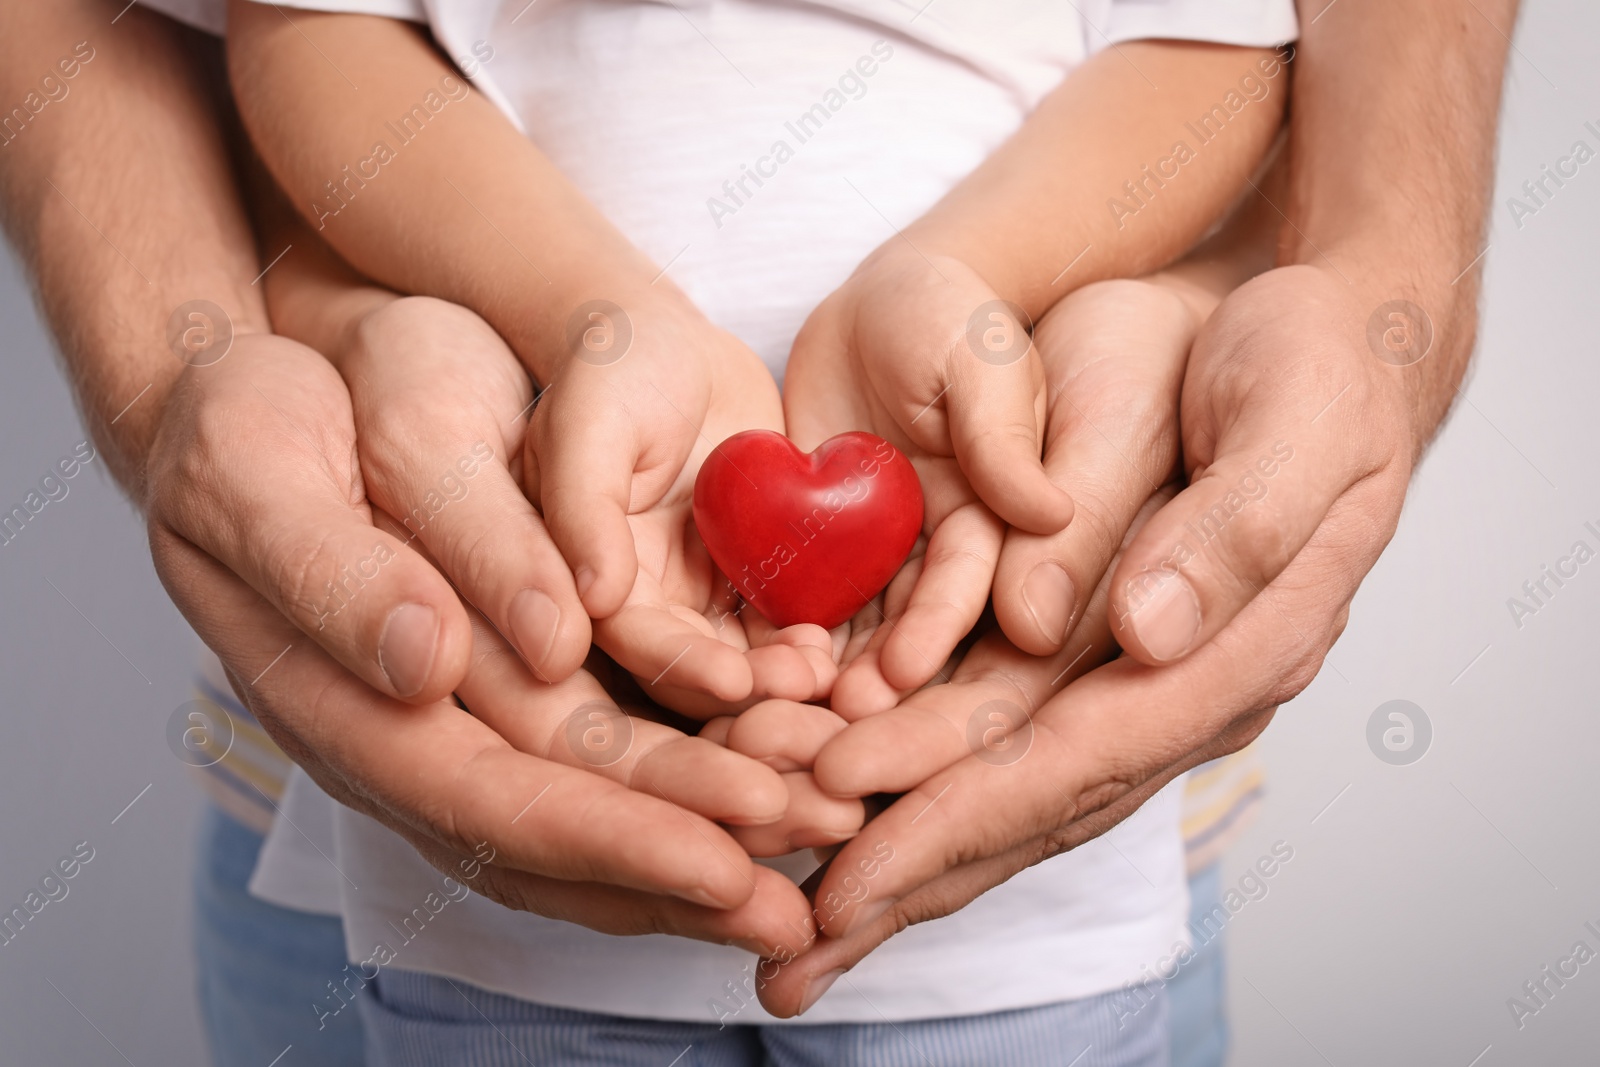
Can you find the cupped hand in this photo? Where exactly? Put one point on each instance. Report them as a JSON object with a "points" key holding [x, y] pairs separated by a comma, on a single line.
{"points": [[615, 442], [439, 402], [923, 353], [1114, 355], [256, 505], [1288, 414], [1109, 741], [787, 736]]}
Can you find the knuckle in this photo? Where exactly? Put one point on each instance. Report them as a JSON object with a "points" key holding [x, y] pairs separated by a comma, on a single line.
{"points": [[962, 557], [1113, 786], [388, 429], [1299, 672], [1150, 432], [506, 890], [191, 468], [1050, 845], [1256, 545], [413, 321], [919, 908], [1096, 521], [1242, 731], [471, 556], [998, 444], [297, 568]]}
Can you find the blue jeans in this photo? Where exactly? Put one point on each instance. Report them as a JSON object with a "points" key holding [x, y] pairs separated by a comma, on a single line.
{"points": [[263, 968], [419, 1020], [1199, 1010], [259, 967]]}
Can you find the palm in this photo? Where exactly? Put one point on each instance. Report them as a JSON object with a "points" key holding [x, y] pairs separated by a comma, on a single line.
{"points": [[889, 363], [680, 630]]}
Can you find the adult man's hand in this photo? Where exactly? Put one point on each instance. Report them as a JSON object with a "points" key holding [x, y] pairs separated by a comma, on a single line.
{"points": [[1285, 412], [1103, 746], [1389, 182], [256, 457], [111, 267]]}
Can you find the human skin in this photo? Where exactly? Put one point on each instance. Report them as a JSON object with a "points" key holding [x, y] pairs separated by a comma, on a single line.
{"points": [[1269, 650], [123, 202], [1389, 184], [1113, 353], [905, 347], [1042, 197], [492, 225]]}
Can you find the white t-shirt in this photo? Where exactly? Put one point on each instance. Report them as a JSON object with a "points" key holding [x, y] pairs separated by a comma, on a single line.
{"points": [[759, 150]]}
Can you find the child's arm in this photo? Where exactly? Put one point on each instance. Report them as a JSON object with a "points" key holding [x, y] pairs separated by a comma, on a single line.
{"points": [[424, 186], [921, 347], [419, 181], [1128, 162], [1108, 178]]}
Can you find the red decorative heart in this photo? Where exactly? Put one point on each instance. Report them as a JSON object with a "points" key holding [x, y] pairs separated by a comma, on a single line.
{"points": [[808, 538]]}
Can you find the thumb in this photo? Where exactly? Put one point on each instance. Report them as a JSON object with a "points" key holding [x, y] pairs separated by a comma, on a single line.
{"points": [[256, 467], [1281, 462], [995, 409], [580, 463]]}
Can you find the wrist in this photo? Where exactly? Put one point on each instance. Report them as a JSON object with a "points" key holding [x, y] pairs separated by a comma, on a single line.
{"points": [[595, 319], [1417, 325], [936, 240]]}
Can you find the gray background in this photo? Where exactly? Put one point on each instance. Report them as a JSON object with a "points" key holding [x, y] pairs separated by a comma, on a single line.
{"points": [[1417, 902]]}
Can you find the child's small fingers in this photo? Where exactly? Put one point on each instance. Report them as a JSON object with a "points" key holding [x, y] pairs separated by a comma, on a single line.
{"points": [[986, 709], [948, 598], [815, 646], [813, 819], [996, 414], [1114, 354], [783, 734], [861, 689], [716, 730], [987, 714], [783, 672], [675, 660], [577, 723], [492, 544], [581, 472], [1043, 583], [705, 778]]}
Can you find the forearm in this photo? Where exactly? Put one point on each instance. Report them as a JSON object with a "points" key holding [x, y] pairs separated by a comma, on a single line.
{"points": [[120, 198], [456, 205], [1244, 246], [1120, 170], [1392, 166], [313, 296]]}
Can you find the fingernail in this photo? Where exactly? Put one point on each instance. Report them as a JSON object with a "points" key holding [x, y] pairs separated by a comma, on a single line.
{"points": [[1164, 613], [1049, 594], [819, 985], [701, 895], [534, 620], [406, 645], [584, 577], [869, 913]]}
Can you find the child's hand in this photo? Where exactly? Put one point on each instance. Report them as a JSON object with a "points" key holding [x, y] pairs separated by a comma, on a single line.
{"points": [[923, 354], [644, 394], [437, 398], [595, 721], [1114, 355], [986, 709], [787, 736], [429, 378]]}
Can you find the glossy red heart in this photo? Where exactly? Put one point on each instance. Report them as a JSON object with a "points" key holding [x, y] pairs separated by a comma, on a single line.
{"points": [[808, 538]]}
